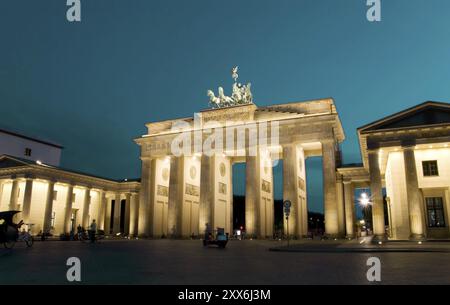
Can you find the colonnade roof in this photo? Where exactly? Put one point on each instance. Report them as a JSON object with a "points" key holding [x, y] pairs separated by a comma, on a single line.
{"points": [[11, 167], [426, 120]]}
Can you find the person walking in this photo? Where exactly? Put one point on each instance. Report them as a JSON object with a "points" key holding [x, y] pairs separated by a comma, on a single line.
{"points": [[80, 232], [92, 231]]}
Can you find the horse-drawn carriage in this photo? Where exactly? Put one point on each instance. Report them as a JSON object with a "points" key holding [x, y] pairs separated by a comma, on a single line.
{"points": [[9, 231]]}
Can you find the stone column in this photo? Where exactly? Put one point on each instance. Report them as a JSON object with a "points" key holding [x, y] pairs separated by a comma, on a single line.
{"points": [[134, 214], [252, 196], [329, 188], [48, 207], [415, 202], [145, 199], [376, 189], [1, 193], [290, 188], [117, 208], [349, 209], [340, 207], [14, 195], [207, 191], [68, 210], [26, 207], [101, 210], [108, 210], [86, 206], [176, 188], [127, 213]]}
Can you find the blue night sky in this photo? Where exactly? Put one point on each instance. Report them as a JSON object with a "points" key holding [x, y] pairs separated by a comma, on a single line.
{"points": [[91, 86]]}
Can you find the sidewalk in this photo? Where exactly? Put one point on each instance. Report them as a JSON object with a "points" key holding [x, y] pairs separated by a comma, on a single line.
{"points": [[362, 245]]}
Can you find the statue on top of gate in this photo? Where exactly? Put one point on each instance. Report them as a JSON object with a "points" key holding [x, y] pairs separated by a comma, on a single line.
{"points": [[241, 95]]}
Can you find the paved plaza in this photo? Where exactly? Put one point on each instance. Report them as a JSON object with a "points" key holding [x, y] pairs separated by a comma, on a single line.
{"points": [[242, 262]]}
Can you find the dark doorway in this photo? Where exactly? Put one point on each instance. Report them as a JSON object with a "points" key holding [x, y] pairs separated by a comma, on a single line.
{"points": [[238, 172], [122, 215], [111, 223]]}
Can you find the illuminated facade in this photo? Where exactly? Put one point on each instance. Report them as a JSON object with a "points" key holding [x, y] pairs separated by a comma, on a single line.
{"points": [[56, 201], [407, 154], [182, 193]]}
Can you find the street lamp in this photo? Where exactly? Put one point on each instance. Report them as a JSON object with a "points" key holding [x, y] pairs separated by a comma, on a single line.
{"points": [[364, 200]]}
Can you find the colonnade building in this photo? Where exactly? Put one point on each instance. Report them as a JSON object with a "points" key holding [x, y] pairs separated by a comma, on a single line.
{"points": [[183, 186], [56, 200]]}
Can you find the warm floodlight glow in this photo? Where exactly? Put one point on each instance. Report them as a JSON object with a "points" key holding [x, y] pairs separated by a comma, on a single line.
{"points": [[364, 200]]}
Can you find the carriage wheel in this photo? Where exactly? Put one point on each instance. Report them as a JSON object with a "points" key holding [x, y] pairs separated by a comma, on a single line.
{"points": [[9, 244]]}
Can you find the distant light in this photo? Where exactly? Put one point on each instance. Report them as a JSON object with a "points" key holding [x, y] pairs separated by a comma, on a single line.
{"points": [[419, 242], [118, 234], [364, 200], [38, 162], [380, 243], [125, 179]]}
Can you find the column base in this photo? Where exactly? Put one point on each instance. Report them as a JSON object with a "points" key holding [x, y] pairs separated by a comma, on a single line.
{"points": [[331, 236], [380, 238], [417, 237]]}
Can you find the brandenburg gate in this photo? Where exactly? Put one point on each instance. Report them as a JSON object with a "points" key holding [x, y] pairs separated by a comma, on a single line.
{"points": [[186, 179]]}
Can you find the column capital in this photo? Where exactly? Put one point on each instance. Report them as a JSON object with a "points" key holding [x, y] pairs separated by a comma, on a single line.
{"points": [[373, 151], [347, 181], [408, 143], [29, 177], [408, 147], [328, 141]]}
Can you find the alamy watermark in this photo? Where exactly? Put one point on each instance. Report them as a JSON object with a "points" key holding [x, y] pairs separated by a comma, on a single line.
{"points": [[73, 274], [74, 11], [374, 272], [374, 11], [231, 138]]}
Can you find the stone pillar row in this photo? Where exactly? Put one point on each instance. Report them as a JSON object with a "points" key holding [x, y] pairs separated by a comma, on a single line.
{"points": [[258, 216], [415, 201], [104, 212]]}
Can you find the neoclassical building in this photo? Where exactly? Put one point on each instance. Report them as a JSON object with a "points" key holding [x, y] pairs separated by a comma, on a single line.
{"points": [[408, 154], [184, 186], [56, 200]]}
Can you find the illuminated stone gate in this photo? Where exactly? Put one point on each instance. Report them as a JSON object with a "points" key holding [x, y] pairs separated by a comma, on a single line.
{"points": [[180, 193]]}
